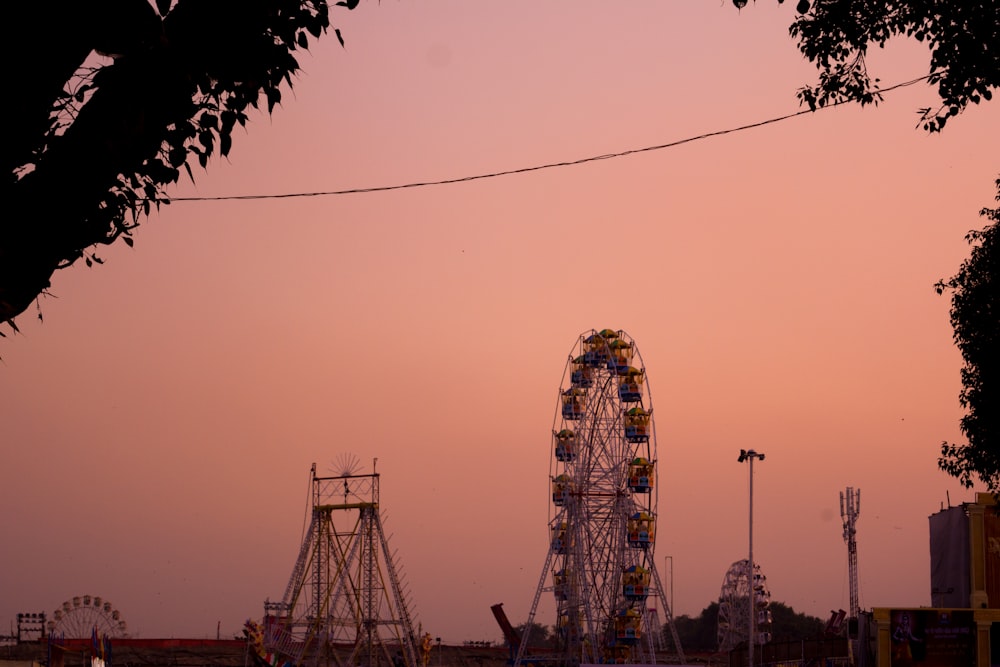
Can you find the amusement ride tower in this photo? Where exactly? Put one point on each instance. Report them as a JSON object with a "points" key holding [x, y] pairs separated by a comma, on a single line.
{"points": [[345, 603]]}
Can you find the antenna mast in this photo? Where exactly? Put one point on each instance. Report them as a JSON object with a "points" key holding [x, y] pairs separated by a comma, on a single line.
{"points": [[850, 508]]}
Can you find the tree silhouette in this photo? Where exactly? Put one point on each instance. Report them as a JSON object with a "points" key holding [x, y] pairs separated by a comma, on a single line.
{"points": [[701, 632], [539, 636], [93, 148], [975, 318], [963, 38], [964, 42], [97, 139], [698, 633], [790, 625]]}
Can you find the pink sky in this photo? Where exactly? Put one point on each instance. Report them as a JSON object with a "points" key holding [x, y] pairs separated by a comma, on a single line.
{"points": [[160, 424]]}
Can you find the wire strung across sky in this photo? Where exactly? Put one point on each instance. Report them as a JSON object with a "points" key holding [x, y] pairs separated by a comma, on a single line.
{"points": [[538, 167]]}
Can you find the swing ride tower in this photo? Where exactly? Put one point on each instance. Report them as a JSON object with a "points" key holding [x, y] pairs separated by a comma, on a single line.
{"points": [[345, 604]]}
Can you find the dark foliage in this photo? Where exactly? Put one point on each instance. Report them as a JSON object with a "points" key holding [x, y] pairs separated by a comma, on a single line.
{"points": [[975, 318], [789, 625], [93, 148], [701, 633], [540, 636], [964, 43], [963, 39]]}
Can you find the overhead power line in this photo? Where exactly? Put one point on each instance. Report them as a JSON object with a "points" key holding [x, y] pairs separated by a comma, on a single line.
{"points": [[538, 167]]}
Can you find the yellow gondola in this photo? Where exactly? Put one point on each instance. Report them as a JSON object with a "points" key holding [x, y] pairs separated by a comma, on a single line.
{"points": [[565, 445], [635, 583], [637, 428], [630, 382], [621, 354], [561, 488], [574, 403], [595, 350], [560, 532], [640, 475], [628, 627], [581, 374], [641, 527]]}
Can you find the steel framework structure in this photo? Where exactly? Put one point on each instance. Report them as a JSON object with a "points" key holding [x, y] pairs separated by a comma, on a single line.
{"points": [[345, 603], [850, 508]]}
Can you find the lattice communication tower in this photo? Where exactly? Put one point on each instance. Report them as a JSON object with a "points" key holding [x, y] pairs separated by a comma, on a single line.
{"points": [[850, 508]]}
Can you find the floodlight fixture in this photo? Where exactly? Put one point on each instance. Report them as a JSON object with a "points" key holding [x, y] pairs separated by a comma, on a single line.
{"points": [[750, 455]]}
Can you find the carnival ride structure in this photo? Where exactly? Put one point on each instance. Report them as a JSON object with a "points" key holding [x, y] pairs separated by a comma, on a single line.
{"points": [[740, 590], [83, 615], [346, 603], [600, 565]]}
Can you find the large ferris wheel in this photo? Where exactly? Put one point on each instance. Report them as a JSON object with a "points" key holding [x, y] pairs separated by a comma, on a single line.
{"points": [[602, 509]]}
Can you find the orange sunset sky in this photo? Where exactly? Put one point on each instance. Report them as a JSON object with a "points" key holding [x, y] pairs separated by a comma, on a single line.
{"points": [[159, 426]]}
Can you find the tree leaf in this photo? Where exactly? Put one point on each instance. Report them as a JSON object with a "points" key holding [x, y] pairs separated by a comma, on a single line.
{"points": [[273, 98]]}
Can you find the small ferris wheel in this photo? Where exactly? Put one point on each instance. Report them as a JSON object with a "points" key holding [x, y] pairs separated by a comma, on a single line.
{"points": [[82, 615], [740, 589]]}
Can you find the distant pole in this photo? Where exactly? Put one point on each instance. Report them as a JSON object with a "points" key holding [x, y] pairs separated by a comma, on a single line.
{"points": [[850, 508], [671, 560], [750, 455]]}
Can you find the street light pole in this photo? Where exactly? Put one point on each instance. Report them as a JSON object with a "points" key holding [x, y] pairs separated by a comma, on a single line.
{"points": [[750, 455]]}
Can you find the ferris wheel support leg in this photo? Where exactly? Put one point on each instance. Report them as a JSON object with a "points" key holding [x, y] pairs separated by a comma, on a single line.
{"points": [[522, 646], [668, 613]]}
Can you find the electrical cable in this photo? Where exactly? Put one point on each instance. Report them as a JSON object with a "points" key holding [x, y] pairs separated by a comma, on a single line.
{"points": [[539, 167]]}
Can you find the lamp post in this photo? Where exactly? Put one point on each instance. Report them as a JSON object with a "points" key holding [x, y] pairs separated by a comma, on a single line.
{"points": [[750, 455]]}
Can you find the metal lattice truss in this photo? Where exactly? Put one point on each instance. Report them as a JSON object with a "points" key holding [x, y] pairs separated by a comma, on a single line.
{"points": [[345, 603], [850, 508], [600, 564]]}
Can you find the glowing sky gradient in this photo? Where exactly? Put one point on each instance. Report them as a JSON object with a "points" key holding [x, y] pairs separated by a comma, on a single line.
{"points": [[159, 426]]}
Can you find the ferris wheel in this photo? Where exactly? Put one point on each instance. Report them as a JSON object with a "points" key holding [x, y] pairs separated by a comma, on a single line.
{"points": [[734, 606], [602, 509], [82, 615]]}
